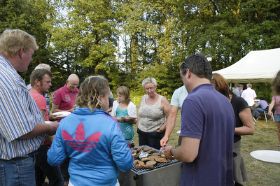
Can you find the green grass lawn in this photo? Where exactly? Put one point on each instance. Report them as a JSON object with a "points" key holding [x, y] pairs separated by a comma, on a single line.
{"points": [[259, 173], [265, 138]]}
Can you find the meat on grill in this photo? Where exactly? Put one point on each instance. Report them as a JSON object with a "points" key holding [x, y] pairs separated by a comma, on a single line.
{"points": [[154, 157]]}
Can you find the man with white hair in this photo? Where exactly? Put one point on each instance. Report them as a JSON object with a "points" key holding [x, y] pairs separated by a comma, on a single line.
{"points": [[65, 97], [43, 66]]}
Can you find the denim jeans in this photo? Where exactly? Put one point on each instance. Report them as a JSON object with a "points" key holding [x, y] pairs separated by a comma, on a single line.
{"points": [[17, 172], [43, 169]]}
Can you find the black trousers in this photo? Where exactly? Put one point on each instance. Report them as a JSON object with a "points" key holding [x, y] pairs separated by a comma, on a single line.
{"points": [[151, 139], [43, 169]]}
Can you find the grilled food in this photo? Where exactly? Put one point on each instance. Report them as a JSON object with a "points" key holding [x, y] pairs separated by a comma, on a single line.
{"points": [[153, 157]]}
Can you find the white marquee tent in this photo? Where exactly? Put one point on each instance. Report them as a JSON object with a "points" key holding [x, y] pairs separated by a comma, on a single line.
{"points": [[256, 66]]}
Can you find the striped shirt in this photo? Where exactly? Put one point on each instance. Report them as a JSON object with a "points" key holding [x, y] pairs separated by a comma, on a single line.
{"points": [[18, 114]]}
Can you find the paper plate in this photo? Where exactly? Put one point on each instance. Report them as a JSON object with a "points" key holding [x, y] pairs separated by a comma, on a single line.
{"points": [[61, 114], [271, 156], [48, 122]]}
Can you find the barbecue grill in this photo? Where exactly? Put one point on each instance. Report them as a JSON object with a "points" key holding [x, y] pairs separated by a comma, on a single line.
{"points": [[163, 174], [159, 165]]}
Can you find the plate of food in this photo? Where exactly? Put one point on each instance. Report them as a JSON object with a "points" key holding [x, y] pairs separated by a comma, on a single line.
{"points": [[61, 114], [271, 156], [48, 122]]}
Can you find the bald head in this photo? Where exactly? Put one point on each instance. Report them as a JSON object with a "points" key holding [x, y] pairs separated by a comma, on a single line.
{"points": [[73, 77], [72, 81]]}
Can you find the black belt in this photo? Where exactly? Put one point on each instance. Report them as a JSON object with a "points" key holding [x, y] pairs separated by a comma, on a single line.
{"points": [[30, 155]]}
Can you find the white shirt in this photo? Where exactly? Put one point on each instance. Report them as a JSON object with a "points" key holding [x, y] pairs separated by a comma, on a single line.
{"points": [[179, 97], [249, 95], [131, 109]]}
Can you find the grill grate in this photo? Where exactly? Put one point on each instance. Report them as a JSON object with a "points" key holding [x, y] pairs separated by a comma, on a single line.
{"points": [[157, 166]]}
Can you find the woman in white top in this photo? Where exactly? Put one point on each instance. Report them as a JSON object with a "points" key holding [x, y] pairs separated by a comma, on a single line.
{"points": [[152, 113]]}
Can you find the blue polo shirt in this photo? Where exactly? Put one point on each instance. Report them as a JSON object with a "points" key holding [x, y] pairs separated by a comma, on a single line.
{"points": [[208, 115]]}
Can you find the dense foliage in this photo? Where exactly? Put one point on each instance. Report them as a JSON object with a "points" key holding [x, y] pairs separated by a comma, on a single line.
{"points": [[129, 40]]}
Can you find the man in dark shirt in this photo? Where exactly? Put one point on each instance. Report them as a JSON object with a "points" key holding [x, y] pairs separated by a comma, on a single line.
{"points": [[207, 129]]}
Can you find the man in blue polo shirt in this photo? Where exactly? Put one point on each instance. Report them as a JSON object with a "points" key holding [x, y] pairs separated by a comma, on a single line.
{"points": [[207, 129]]}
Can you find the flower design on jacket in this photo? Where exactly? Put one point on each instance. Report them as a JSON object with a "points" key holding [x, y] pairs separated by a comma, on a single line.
{"points": [[79, 142]]}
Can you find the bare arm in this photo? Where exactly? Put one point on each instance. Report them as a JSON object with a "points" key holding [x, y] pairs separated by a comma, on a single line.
{"points": [[166, 109], [186, 152], [130, 120], [166, 106], [41, 129], [170, 125], [271, 105], [247, 119], [139, 106], [127, 119]]}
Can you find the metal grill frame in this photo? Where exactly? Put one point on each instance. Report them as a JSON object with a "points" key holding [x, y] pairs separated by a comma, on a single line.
{"points": [[158, 166]]}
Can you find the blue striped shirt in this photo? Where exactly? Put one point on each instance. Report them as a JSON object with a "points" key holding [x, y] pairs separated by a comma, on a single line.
{"points": [[18, 114]]}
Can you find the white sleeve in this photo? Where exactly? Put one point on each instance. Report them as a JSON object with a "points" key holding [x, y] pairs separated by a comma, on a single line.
{"points": [[175, 99], [131, 109], [242, 94], [114, 108]]}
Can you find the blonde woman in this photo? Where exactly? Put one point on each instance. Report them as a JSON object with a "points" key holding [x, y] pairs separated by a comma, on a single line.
{"points": [[152, 114], [91, 139]]}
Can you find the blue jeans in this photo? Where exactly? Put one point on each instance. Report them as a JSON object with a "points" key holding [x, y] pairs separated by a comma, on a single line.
{"points": [[17, 172]]}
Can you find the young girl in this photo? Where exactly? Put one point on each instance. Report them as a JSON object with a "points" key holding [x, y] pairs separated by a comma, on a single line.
{"points": [[125, 112]]}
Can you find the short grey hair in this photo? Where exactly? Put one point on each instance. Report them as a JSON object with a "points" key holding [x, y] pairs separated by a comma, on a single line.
{"points": [[149, 80], [249, 85], [12, 40], [43, 66]]}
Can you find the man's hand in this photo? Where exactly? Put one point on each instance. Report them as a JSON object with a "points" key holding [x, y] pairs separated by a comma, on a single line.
{"points": [[52, 127], [164, 141], [167, 152]]}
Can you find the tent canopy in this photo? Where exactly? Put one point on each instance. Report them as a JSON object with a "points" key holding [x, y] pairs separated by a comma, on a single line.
{"points": [[256, 66]]}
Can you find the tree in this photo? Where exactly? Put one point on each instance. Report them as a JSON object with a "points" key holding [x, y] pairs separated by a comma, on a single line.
{"points": [[84, 40]]}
